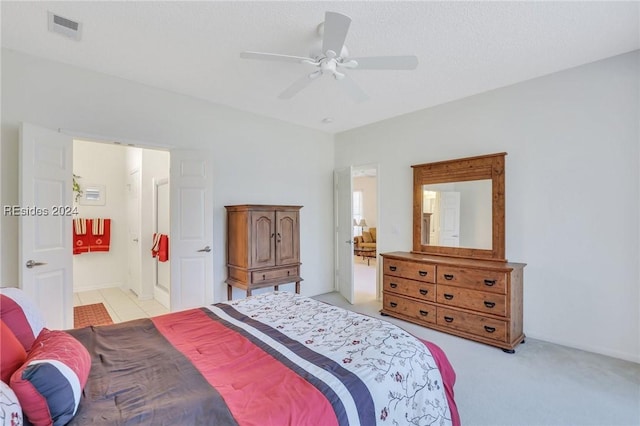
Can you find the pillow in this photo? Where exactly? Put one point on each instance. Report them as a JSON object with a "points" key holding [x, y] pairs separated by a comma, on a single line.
{"points": [[49, 384], [10, 410], [366, 236], [12, 353], [21, 314], [373, 234]]}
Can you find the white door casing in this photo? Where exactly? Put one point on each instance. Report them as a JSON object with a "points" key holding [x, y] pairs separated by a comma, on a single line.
{"points": [[343, 199], [162, 207], [133, 232], [191, 236], [46, 236]]}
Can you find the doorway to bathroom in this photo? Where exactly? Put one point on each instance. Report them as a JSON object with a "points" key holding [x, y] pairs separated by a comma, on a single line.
{"points": [[122, 193]]}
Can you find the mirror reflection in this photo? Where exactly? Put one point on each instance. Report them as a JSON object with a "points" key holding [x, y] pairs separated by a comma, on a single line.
{"points": [[457, 214]]}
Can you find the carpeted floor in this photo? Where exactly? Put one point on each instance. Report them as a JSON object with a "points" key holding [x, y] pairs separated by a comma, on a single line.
{"points": [[542, 384], [95, 314]]}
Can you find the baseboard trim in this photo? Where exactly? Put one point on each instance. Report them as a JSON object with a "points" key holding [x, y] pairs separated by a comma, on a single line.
{"points": [[593, 349], [77, 289]]}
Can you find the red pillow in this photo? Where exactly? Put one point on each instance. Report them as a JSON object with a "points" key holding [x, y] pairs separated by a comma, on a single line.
{"points": [[49, 384], [21, 314], [12, 353]]}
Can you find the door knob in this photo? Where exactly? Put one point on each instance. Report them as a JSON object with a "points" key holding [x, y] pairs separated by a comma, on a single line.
{"points": [[206, 249], [349, 242], [31, 263], [135, 240]]}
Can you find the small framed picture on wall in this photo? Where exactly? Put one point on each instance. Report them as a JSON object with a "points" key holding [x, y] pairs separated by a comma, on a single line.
{"points": [[93, 195]]}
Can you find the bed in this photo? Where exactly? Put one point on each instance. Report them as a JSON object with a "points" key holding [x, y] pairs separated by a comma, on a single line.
{"points": [[272, 359]]}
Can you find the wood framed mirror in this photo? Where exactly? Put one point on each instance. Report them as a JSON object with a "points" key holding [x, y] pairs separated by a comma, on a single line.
{"points": [[459, 207]]}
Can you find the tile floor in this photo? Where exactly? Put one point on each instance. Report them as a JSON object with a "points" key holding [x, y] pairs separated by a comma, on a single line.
{"points": [[121, 305]]}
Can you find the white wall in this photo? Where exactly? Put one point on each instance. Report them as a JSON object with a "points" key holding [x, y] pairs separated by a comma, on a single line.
{"points": [[572, 191], [256, 159], [8, 196], [102, 164]]}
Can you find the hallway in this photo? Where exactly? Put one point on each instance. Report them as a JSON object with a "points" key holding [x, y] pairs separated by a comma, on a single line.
{"points": [[364, 279]]}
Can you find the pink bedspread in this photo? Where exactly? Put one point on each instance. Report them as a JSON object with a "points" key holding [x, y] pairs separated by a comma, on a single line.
{"points": [[270, 360]]}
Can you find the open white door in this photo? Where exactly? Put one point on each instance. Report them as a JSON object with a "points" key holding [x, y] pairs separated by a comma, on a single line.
{"points": [[344, 233], [46, 213], [450, 219], [191, 238]]}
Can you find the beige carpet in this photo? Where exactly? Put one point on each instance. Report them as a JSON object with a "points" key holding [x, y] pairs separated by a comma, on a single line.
{"points": [[95, 314]]}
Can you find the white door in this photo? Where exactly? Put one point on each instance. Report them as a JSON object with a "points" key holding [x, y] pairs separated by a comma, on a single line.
{"points": [[133, 232], [344, 233], [450, 219], [191, 236], [46, 236]]}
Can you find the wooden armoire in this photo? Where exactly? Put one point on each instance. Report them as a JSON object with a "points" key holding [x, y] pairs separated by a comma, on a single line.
{"points": [[263, 247]]}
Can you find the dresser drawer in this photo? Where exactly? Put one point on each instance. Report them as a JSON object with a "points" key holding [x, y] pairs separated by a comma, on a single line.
{"points": [[476, 324], [274, 274], [411, 270], [482, 301], [411, 288], [410, 308], [477, 279]]}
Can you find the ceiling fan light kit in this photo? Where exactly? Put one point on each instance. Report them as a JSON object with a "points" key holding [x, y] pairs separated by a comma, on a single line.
{"points": [[334, 31]]}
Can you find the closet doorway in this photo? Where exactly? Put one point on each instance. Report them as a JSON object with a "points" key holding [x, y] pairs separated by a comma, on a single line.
{"points": [[365, 230], [126, 186]]}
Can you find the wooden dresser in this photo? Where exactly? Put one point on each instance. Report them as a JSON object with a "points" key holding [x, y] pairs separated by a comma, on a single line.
{"points": [[477, 299], [263, 247]]}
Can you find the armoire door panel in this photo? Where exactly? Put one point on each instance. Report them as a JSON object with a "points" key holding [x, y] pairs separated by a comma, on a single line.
{"points": [[263, 239], [287, 238]]}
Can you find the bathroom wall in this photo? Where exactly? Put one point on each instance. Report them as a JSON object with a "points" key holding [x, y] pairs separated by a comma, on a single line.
{"points": [[101, 164]]}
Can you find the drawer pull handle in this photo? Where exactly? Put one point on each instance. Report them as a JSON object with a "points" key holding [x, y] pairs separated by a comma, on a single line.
{"points": [[423, 273], [489, 282], [392, 268], [424, 313], [489, 304], [393, 304], [423, 291], [448, 296], [448, 277], [393, 285], [264, 277], [288, 273], [448, 319], [489, 329]]}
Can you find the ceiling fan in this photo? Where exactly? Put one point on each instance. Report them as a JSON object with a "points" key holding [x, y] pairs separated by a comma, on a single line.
{"points": [[333, 59]]}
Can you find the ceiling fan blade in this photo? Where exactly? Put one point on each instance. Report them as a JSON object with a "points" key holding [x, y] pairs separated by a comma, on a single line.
{"points": [[298, 85], [386, 63], [274, 57], [353, 89], [336, 26]]}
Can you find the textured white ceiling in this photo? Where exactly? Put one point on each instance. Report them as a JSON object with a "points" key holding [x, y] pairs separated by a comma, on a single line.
{"points": [[463, 48]]}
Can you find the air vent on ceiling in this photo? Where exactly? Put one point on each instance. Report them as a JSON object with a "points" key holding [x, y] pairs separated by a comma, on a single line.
{"points": [[64, 26]]}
